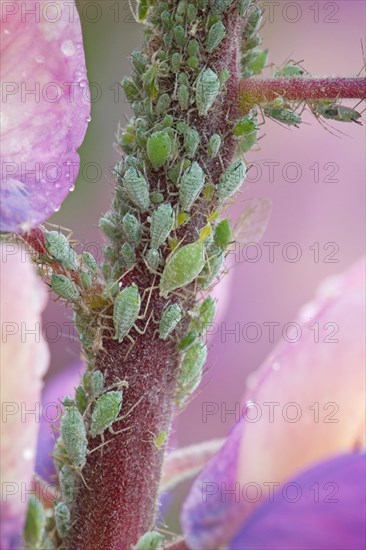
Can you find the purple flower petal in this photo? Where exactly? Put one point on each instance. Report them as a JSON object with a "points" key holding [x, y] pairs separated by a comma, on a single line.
{"points": [[46, 108], [64, 383], [327, 511]]}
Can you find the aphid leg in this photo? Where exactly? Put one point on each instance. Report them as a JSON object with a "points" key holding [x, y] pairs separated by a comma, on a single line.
{"points": [[130, 410], [146, 326], [131, 346]]}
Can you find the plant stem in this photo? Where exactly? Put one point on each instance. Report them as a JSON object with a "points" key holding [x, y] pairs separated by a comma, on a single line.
{"points": [[255, 91]]}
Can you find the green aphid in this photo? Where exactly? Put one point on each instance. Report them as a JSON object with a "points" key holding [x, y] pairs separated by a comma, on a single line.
{"points": [[193, 62], [191, 370], [67, 484], [130, 89], [182, 267], [141, 123], [149, 541], [108, 226], [64, 287], [138, 61], [176, 62], [73, 435], [86, 280], [183, 96], [152, 258], [205, 316], [162, 222], [156, 198], [159, 147], [289, 71], [68, 401], [223, 235], [111, 289], [105, 412], [231, 180], [181, 8], [224, 76], [215, 36], [202, 4], [179, 36], [191, 185], [339, 113], [81, 399], [137, 189], [47, 543], [188, 340], [191, 13], [246, 130], [126, 311], [163, 104], [193, 47], [97, 382], [89, 260], [254, 63], [171, 317], [151, 81], [167, 121], [62, 519], [207, 89], [34, 524], [220, 6], [131, 228], [128, 255], [214, 145], [191, 142], [142, 10], [167, 20], [59, 247], [282, 114], [183, 79], [243, 6], [253, 22]]}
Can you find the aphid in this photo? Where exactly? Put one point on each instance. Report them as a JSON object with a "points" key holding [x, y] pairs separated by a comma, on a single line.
{"points": [[289, 71], [153, 258], [108, 226], [59, 247], [253, 63], [139, 61], [35, 523], [191, 142], [151, 81], [86, 279], [183, 79], [243, 6], [128, 256], [253, 22], [131, 228], [246, 130], [231, 180], [182, 267], [137, 189], [278, 101], [156, 198], [81, 399], [97, 382], [193, 47], [191, 185], [215, 36], [68, 401], [179, 35], [223, 235], [149, 541], [339, 113], [73, 436], [65, 288], [182, 219], [130, 89], [167, 20], [162, 222], [207, 89], [126, 310], [282, 114], [62, 519], [191, 13], [205, 317], [212, 267], [188, 340], [193, 62], [181, 8], [183, 96], [214, 145], [105, 412], [171, 317], [159, 146], [163, 104], [219, 6], [90, 262], [142, 10], [176, 62], [67, 484], [224, 76], [168, 121], [190, 372], [111, 289]]}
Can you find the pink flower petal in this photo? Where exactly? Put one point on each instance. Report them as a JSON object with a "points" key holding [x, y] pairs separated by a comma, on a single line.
{"points": [[318, 380], [24, 360], [46, 108]]}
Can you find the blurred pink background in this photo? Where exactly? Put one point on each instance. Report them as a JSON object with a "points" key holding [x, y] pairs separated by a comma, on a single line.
{"points": [[317, 198]]}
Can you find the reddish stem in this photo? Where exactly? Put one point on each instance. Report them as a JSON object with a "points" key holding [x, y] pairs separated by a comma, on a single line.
{"points": [[255, 91]]}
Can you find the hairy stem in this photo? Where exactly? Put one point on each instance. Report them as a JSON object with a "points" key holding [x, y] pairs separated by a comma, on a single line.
{"points": [[256, 91]]}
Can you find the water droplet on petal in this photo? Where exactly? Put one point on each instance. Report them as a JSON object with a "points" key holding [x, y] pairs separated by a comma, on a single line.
{"points": [[88, 118], [57, 208], [72, 188], [68, 48], [28, 453], [39, 59], [82, 83]]}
